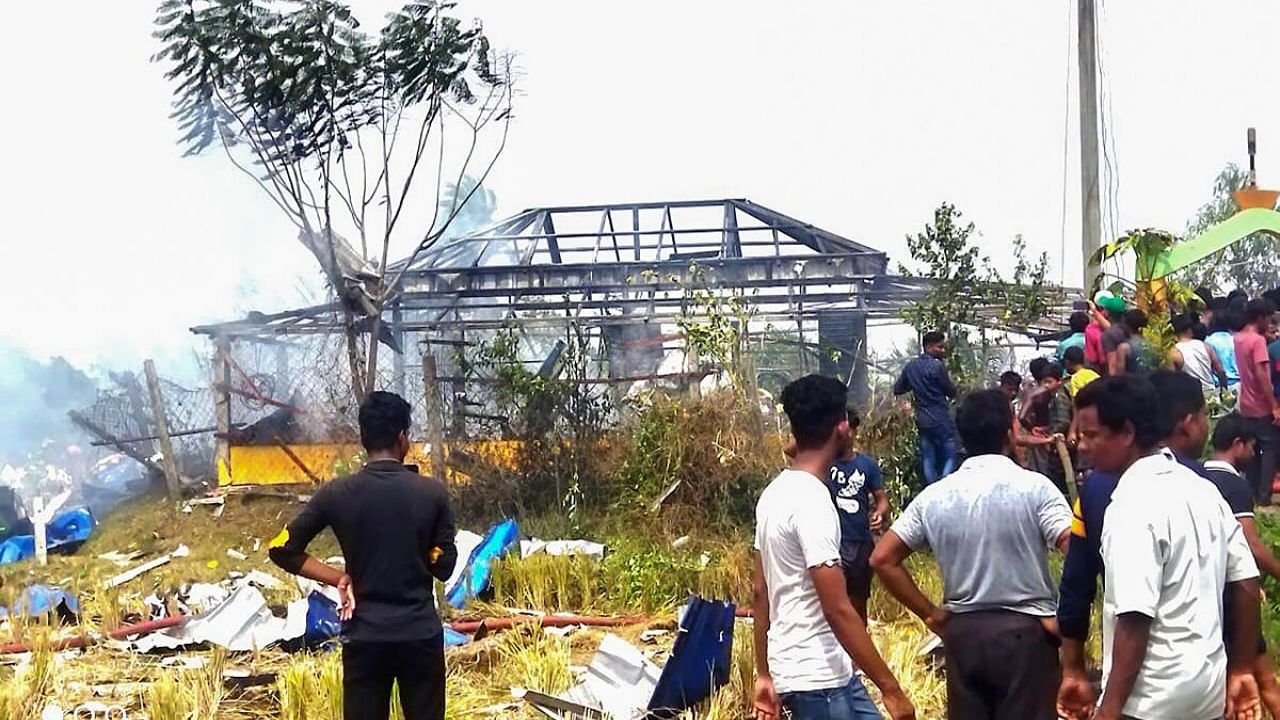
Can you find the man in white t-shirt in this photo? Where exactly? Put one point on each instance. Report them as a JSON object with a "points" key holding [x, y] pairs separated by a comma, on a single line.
{"points": [[1170, 546], [806, 629]]}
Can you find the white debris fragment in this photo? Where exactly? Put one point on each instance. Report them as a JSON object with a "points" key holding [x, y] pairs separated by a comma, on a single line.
{"points": [[236, 554]]}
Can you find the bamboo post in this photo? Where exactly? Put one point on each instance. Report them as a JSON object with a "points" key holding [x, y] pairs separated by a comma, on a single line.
{"points": [[168, 461], [434, 414]]}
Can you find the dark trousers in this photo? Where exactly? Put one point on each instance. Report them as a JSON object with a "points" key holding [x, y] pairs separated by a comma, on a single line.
{"points": [[1000, 665], [1263, 469], [370, 668]]}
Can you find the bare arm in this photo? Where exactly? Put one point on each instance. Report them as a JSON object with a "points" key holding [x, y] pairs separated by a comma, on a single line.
{"points": [[765, 697], [760, 617], [1262, 555], [881, 510], [1244, 599], [1174, 359], [887, 561], [829, 582], [1128, 649]]}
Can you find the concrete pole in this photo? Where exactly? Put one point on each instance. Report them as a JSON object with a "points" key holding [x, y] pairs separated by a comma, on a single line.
{"points": [[1090, 205]]}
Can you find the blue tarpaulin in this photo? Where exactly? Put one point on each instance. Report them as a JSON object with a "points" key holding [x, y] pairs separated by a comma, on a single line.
{"points": [[700, 660], [322, 620], [40, 599], [475, 576], [323, 624], [67, 529]]}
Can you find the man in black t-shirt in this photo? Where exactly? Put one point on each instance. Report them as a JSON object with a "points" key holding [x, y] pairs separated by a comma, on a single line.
{"points": [[396, 530], [1233, 448]]}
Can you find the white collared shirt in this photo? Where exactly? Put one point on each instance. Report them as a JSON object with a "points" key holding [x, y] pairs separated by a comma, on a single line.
{"points": [[1170, 544]]}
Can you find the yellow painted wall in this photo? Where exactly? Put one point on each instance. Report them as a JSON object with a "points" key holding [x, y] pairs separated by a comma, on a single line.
{"points": [[269, 465]]}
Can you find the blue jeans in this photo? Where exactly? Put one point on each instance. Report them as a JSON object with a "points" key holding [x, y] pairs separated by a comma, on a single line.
{"points": [[850, 702], [938, 452]]}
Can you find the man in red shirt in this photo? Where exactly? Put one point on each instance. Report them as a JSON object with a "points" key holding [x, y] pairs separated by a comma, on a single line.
{"points": [[1257, 399], [1102, 315]]}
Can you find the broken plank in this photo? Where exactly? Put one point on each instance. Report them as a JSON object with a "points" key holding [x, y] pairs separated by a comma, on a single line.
{"points": [[145, 567]]}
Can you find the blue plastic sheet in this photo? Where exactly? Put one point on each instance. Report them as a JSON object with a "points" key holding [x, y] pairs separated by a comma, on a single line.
{"points": [[323, 624], [476, 573], [322, 620], [67, 529], [40, 599], [700, 660]]}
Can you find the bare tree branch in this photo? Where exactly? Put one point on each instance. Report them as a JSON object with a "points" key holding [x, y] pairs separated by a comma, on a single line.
{"points": [[389, 288]]}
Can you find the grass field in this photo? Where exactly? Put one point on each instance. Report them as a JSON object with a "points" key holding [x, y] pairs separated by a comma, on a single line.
{"points": [[642, 574]]}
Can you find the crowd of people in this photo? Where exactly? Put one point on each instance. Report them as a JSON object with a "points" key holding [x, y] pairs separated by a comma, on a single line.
{"points": [[1164, 515]]}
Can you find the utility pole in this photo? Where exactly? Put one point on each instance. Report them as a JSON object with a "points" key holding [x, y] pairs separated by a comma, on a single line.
{"points": [[1090, 207]]}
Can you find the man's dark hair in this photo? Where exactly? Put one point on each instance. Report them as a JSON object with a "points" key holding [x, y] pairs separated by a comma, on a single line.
{"points": [[984, 418], [933, 337], [1121, 399], [1074, 355], [1183, 323], [1042, 368], [854, 418], [1177, 396], [1135, 320], [1078, 322], [1205, 295], [1009, 377], [1229, 429], [1236, 296], [1273, 295], [1236, 319], [814, 404], [1260, 309], [383, 416]]}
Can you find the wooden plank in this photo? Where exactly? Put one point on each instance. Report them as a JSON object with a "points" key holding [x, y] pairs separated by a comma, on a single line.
{"points": [[168, 462]]}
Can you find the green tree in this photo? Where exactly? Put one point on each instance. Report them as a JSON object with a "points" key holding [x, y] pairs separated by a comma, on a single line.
{"points": [[1249, 264], [967, 298], [334, 125]]}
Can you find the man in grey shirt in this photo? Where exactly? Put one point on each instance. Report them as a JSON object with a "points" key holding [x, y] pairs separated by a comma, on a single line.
{"points": [[990, 525]]}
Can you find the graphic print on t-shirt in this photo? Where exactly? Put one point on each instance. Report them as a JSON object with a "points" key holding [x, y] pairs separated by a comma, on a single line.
{"points": [[851, 484], [848, 483]]}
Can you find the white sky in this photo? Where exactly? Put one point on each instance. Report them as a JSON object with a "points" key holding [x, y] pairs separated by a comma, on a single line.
{"points": [[857, 117]]}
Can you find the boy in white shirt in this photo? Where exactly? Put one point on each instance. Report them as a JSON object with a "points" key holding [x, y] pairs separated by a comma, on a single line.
{"points": [[806, 629]]}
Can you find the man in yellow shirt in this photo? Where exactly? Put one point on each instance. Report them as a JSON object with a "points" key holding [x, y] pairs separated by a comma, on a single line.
{"points": [[1078, 374]]}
